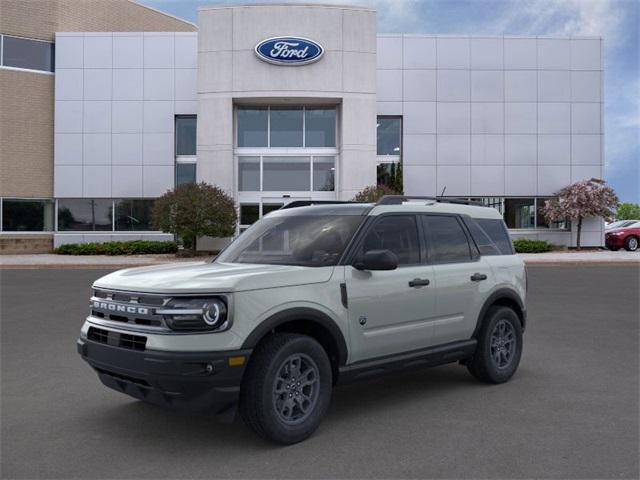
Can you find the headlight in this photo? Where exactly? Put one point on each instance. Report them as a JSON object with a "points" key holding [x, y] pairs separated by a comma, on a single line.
{"points": [[196, 314]]}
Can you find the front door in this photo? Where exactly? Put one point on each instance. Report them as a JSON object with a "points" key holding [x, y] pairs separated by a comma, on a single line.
{"points": [[390, 311]]}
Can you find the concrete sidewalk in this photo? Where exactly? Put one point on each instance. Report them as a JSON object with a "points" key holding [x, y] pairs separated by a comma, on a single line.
{"points": [[104, 261]]}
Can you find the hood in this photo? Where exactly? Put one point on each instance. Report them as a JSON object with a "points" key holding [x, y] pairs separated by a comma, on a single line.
{"points": [[204, 277]]}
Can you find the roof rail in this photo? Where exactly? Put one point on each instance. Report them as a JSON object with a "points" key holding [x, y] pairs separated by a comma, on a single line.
{"points": [[399, 199], [308, 203]]}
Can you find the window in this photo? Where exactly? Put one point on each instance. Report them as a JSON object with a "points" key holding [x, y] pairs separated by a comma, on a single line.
{"points": [[389, 133], [519, 212], [249, 174], [324, 174], [85, 214], [133, 215], [496, 230], [493, 202], [390, 174], [542, 221], [253, 127], [27, 215], [485, 244], [320, 127], [308, 240], [270, 207], [397, 233], [186, 135], [249, 214], [26, 53], [286, 127], [286, 173], [185, 173], [447, 241]]}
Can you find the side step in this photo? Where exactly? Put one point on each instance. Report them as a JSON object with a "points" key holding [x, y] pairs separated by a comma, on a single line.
{"points": [[428, 357]]}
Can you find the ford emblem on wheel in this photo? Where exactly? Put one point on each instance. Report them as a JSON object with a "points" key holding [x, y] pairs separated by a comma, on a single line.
{"points": [[289, 51]]}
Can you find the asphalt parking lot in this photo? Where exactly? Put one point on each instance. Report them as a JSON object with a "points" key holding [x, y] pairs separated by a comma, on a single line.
{"points": [[571, 411]]}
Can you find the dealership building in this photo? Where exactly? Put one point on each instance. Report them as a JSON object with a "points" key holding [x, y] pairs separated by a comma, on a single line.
{"points": [[273, 103]]}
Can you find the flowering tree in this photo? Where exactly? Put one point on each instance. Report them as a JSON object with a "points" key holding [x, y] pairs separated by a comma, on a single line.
{"points": [[586, 198], [374, 193], [195, 210]]}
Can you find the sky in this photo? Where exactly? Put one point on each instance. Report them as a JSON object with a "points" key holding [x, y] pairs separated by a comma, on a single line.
{"points": [[617, 21]]}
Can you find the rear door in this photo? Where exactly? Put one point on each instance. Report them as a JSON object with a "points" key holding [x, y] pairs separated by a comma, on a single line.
{"points": [[390, 311], [462, 278]]}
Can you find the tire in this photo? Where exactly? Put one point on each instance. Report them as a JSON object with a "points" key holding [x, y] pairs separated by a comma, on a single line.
{"points": [[490, 364], [631, 243], [268, 402]]}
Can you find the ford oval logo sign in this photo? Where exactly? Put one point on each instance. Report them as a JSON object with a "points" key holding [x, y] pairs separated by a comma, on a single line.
{"points": [[289, 51]]}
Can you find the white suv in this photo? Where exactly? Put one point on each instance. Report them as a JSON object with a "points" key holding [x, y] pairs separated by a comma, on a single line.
{"points": [[309, 297]]}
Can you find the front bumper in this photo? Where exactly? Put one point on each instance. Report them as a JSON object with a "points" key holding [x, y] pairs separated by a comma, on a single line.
{"points": [[614, 241], [194, 381]]}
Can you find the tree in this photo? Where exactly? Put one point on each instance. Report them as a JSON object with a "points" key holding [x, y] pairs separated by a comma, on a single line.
{"points": [[373, 193], [195, 210], [628, 211], [586, 198]]}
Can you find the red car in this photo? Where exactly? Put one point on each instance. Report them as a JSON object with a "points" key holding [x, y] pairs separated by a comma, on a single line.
{"points": [[627, 237]]}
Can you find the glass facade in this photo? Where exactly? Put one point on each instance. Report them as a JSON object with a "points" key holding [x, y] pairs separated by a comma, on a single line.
{"points": [[286, 127], [286, 173], [133, 215], [519, 212], [85, 215], [18, 52], [27, 215], [389, 152], [185, 173], [283, 173]]}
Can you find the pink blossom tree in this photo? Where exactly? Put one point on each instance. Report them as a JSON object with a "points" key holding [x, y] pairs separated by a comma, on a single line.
{"points": [[586, 198]]}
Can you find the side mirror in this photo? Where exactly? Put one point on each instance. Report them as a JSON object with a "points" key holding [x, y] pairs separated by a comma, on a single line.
{"points": [[377, 260]]}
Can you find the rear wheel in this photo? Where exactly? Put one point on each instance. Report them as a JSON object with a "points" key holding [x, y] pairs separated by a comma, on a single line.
{"points": [[287, 388], [499, 346], [631, 243]]}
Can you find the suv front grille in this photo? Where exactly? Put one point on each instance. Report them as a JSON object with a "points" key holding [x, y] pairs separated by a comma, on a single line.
{"points": [[129, 308], [122, 340]]}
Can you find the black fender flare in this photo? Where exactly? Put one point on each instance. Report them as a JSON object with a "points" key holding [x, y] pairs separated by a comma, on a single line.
{"points": [[500, 294], [296, 314]]}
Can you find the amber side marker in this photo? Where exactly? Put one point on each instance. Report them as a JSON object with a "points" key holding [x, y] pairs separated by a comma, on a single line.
{"points": [[236, 361]]}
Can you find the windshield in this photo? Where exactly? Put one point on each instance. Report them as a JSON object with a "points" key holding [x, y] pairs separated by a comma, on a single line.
{"points": [[621, 224], [305, 240]]}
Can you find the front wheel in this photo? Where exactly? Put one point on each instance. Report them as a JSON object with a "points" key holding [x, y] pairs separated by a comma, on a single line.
{"points": [[499, 347], [287, 388], [631, 244]]}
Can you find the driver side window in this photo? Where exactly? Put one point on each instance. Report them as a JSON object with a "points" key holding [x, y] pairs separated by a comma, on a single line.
{"points": [[397, 233]]}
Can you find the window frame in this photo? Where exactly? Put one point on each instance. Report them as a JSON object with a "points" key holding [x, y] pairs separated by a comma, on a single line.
{"points": [[22, 69]]}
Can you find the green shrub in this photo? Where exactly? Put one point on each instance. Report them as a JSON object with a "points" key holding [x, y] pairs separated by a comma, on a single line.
{"points": [[132, 247], [524, 245]]}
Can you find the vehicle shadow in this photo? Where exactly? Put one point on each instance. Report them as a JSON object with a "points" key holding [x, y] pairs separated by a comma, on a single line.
{"points": [[140, 421]]}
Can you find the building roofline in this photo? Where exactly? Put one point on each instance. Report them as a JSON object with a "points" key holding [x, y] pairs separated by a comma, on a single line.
{"points": [[164, 13], [287, 4]]}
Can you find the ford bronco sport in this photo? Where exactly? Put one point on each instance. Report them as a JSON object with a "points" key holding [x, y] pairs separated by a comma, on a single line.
{"points": [[309, 297]]}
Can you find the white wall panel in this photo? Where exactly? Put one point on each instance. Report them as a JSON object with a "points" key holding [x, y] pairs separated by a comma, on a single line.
{"points": [[68, 149], [158, 149], [97, 84], [585, 118], [156, 180], [127, 51], [521, 85], [126, 181], [69, 50], [585, 86], [520, 53], [487, 53], [456, 179], [126, 149], [419, 117], [126, 117], [554, 117], [453, 52], [554, 149], [586, 54], [158, 117], [586, 150], [487, 117], [67, 181], [419, 52], [487, 180], [520, 149], [487, 149], [454, 149], [419, 85], [96, 117], [68, 84], [68, 116], [389, 85], [554, 86], [389, 52], [520, 180], [552, 178], [454, 117], [96, 181], [487, 85], [158, 84], [128, 84], [158, 51], [96, 149], [554, 54], [454, 86], [420, 180], [98, 51], [419, 149], [520, 118]]}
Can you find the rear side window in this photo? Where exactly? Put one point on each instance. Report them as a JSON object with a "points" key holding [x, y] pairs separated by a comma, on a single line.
{"points": [[398, 233], [446, 239], [482, 239], [497, 232]]}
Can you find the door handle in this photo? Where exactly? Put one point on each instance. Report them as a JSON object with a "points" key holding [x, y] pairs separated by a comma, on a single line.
{"points": [[477, 277], [418, 282]]}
